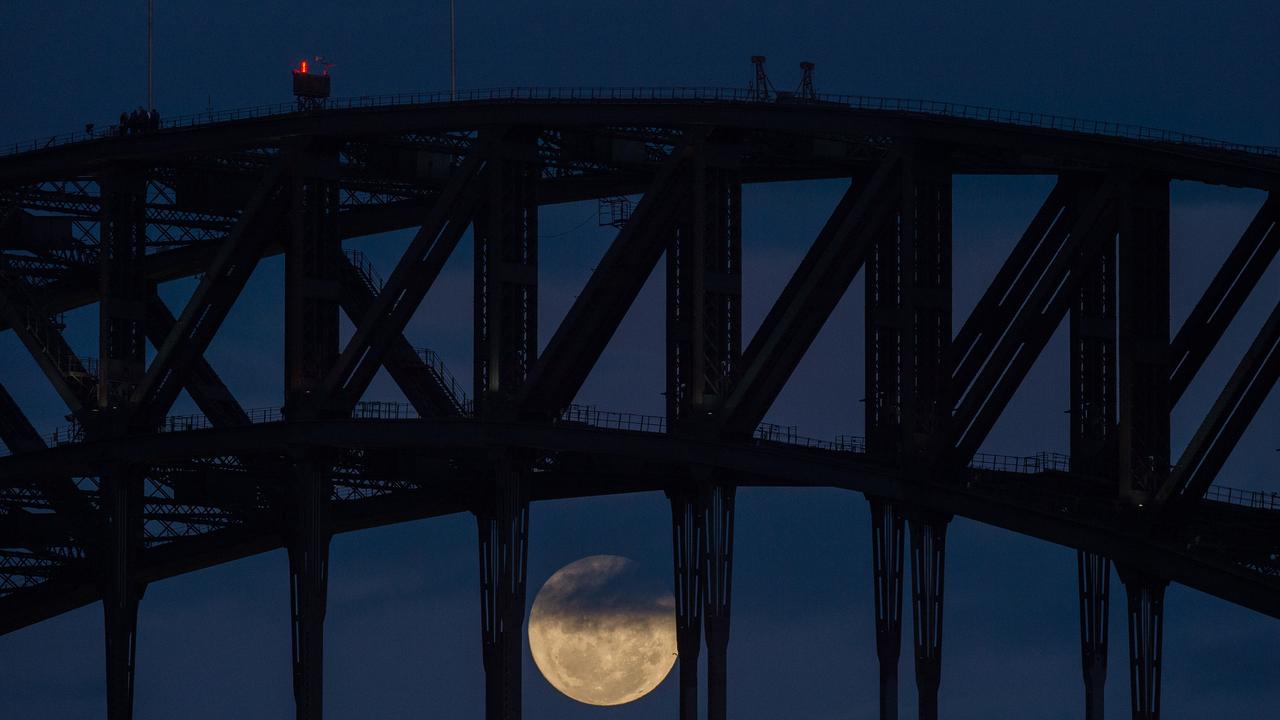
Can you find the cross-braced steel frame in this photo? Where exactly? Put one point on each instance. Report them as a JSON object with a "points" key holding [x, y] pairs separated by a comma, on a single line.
{"points": [[130, 494]]}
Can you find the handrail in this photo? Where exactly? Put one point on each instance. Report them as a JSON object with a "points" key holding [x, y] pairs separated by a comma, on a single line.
{"points": [[870, 103], [592, 416]]}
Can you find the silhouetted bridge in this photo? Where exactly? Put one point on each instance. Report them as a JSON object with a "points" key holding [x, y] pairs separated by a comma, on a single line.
{"points": [[130, 494]]}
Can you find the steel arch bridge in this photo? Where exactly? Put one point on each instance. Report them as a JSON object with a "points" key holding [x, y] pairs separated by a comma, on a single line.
{"points": [[129, 494]]}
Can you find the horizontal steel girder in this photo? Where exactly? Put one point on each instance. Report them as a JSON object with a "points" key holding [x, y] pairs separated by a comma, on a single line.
{"points": [[1082, 522]]}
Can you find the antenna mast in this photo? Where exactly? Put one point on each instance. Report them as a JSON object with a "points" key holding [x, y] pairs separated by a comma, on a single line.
{"points": [[806, 91], [759, 87], [151, 98], [453, 55]]}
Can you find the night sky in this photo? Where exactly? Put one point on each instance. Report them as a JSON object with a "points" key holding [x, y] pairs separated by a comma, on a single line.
{"points": [[402, 634]]}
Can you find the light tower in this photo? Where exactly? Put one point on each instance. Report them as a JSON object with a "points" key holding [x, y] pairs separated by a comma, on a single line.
{"points": [[760, 87], [311, 89], [806, 91]]}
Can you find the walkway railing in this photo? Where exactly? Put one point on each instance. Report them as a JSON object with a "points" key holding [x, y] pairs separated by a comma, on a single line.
{"points": [[1247, 498], [931, 108], [591, 416]]}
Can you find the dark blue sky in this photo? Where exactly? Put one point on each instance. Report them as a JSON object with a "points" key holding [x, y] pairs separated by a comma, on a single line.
{"points": [[403, 625]]}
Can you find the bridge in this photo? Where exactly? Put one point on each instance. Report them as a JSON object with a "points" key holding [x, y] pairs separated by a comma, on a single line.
{"points": [[129, 494]]}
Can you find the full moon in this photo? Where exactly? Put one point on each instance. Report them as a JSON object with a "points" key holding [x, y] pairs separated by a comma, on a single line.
{"points": [[602, 632]]}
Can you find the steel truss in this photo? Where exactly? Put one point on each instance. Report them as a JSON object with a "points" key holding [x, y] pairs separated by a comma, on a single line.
{"points": [[130, 495]]}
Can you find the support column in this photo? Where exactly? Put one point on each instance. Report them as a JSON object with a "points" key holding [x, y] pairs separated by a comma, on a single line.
{"points": [[1093, 452], [503, 525], [506, 275], [704, 295], [887, 524], [687, 543], [308, 545], [1095, 604], [928, 554], [312, 293], [717, 581], [122, 312], [1146, 641], [908, 327], [312, 280], [1144, 357], [122, 364], [506, 346], [704, 346], [121, 493]]}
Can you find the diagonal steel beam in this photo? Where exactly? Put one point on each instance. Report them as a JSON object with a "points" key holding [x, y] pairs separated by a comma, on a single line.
{"points": [[205, 387], [73, 382], [429, 393], [809, 297], [1230, 415], [230, 269], [608, 294], [1226, 293], [16, 431], [1040, 311], [386, 318], [997, 307]]}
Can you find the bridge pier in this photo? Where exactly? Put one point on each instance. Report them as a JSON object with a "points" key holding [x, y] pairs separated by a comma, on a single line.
{"points": [[887, 525], [717, 583], [908, 325], [312, 292], [1094, 452], [121, 490], [704, 346], [308, 546], [503, 525], [122, 342], [1095, 591], [1146, 640], [928, 553], [687, 541]]}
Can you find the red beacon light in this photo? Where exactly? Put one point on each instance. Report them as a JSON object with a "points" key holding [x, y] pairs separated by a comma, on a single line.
{"points": [[311, 89]]}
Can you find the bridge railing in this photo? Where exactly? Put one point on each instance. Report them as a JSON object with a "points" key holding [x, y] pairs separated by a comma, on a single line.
{"points": [[1259, 499], [592, 416], [1038, 463], [932, 108]]}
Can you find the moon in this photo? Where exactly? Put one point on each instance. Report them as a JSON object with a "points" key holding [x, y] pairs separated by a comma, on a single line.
{"points": [[603, 632]]}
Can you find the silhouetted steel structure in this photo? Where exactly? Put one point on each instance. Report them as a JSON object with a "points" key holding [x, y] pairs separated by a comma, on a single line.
{"points": [[129, 494]]}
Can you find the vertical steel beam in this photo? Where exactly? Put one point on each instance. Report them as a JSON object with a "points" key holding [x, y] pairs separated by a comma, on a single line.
{"points": [[887, 525], [506, 346], [1093, 450], [1094, 577], [1146, 641], [503, 525], [1144, 357], [123, 288], [122, 343], [704, 294], [121, 513], [717, 574], [688, 539], [312, 281], [928, 555], [908, 325], [909, 319], [506, 274], [312, 291], [704, 345], [309, 532]]}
